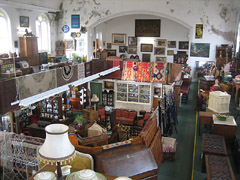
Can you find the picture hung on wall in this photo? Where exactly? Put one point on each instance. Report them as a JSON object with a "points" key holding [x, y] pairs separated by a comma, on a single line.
{"points": [[146, 57], [108, 85], [161, 59], [75, 20], [146, 47], [158, 91], [132, 49], [111, 52], [123, 49], [161, 42], [80, 44], [170, 52], [70, 44], [159, 51], [147, 27], [180, 57], [200, 49], [183, 45], [109, 45], [199, 31], [132, 41], [118, 39], [24, 21], [171, 44]]}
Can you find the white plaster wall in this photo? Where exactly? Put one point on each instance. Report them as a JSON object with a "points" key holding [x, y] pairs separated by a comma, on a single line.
{"points": [[219, 17]]}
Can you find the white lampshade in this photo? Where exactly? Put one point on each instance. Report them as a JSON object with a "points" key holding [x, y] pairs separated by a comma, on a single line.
{"points": [[95, 98], [56, 147]]}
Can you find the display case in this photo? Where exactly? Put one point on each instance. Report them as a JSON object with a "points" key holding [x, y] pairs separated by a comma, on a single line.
{"points": [[51, 108], [135, 93], [108, 98]]}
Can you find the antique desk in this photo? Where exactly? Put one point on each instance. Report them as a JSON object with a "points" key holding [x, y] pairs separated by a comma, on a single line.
{"points": [[225, 128], [53, 168], [205, 118], [218, 167], [134, 161], [212, 145]]}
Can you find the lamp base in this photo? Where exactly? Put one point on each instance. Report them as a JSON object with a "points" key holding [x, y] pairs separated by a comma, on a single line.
{"points": [[59, 172]]}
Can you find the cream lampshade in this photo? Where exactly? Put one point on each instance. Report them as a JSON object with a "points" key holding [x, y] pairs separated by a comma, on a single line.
{"points": [[56, 148]]}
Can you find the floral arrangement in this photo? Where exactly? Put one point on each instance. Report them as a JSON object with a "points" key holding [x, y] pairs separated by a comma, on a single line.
{"points": [[187, 69]]}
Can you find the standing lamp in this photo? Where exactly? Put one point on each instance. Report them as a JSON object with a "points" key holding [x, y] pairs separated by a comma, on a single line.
{"points": [[95, 100], [57, 149]]}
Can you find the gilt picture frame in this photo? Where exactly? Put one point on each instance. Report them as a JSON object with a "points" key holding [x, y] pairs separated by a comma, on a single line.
{"points": [[118, 39], [24, 21]]}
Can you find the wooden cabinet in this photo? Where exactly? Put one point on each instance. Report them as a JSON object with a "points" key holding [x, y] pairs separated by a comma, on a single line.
{"points": [[108, 98], [90, 114], [29, 48], [223, 55], [51, 108]]}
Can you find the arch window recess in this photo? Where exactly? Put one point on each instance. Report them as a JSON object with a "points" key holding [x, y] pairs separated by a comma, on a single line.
{"points": [[43, 33], [5, 33]]}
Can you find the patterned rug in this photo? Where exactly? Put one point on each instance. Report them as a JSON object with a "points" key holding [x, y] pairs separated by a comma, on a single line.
{"points": [[128, 71], [145, 71], [159, 75], [36, 83], [67, 74]]}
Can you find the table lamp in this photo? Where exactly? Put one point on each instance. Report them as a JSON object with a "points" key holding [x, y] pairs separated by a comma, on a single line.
{"points": [[57, 149], [95, 100]]}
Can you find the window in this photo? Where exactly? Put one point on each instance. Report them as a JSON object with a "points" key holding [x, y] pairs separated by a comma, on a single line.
{"points": [[238, 40], [43, 33], [5, 33]]}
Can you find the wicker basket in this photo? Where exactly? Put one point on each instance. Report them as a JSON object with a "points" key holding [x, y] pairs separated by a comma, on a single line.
{"points": [[219, 101]]}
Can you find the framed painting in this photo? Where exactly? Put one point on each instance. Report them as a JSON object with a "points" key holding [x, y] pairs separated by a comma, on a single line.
{"points": [[146, 47], [161, 59], [200, 49], [109, 45], [123, 49], [183, 45], [161, 42], [75, 21], [199, 31], [132, 41], [146, 57], [132, 49], [158, 91], [147, 27], [170, 52], [118, 39], [159, 51], [108, 85], [70, 44], [111, 52], [24, 21], [171, 44]]}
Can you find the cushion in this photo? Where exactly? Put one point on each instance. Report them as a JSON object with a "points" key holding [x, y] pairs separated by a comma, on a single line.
{"points": [[118, 113], [125, 113], [132, 114], [140, 122], [168, 144], [184, 89]]}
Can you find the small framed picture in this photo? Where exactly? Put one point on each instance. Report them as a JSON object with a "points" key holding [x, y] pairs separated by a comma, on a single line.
{"points": [[70, 44], [170, 52], [183, 45], [146, 47], [132, 49], [132, 41], [172, 44], [75, 21], [24, 21], [146, 57], [159, 51], [109, 45], [158, 91], [111, 52], [123, 49], [161, 42], [118, 39], [161, 59], [108, 85]]}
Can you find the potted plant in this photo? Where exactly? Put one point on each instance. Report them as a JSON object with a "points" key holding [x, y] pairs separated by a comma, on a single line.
{"points": [[79, 120]]}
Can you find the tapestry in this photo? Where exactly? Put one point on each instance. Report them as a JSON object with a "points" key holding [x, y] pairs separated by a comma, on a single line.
{"points": [[36, 83], [81, 71], [145, 71], [67, 74], [159, 72], [129, 72]]}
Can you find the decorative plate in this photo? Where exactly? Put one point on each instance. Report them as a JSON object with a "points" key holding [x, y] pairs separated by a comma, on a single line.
{"points": [[74, 176], [45, 175], [65, 28]]}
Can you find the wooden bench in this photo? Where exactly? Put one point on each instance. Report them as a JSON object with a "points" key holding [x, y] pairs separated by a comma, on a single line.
{"points": [[218, 167]]}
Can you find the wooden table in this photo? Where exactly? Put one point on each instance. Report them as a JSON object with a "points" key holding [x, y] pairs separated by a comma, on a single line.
{"points": [[218, 167], [53, 168], [225, 128], [205, 118], [134, 161]]}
